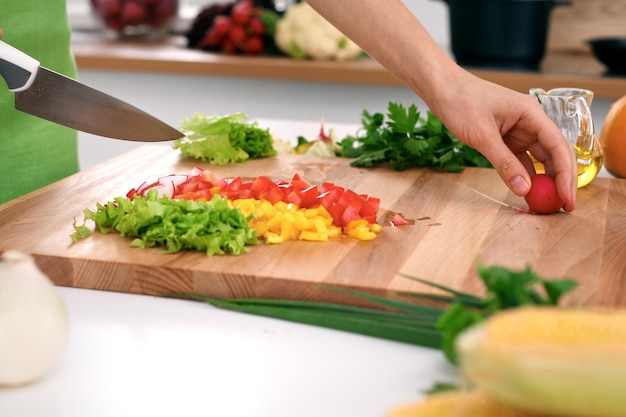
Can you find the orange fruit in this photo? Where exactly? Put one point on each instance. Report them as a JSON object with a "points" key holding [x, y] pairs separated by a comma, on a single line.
{"points": [[613, 138]]}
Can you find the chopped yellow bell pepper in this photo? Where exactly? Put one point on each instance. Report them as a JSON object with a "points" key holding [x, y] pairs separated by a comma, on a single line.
{"points": [[280, 222]]}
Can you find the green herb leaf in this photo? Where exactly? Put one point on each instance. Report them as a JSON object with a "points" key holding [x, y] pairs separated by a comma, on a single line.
{"points": [[556, 289], [405, 140], [453, 322], [403, 120], [439, 387], [505, 289]]}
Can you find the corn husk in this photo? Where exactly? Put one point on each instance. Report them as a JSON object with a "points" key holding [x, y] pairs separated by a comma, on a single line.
{"points": [[458, 404], [556, 361]]}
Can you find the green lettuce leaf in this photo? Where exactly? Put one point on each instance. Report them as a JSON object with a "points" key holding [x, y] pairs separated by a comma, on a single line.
{"points": [[224, 140], [211, 226]]}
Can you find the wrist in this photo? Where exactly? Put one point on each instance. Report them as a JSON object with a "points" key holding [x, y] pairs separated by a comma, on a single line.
{"points": [[438, 82]]}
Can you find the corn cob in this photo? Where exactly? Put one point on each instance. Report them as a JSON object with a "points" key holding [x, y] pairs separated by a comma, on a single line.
{"points": [[458, 404], [555, 361]]}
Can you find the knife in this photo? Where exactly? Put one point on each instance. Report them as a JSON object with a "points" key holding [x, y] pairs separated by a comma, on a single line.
{"points": [[60, 99]]}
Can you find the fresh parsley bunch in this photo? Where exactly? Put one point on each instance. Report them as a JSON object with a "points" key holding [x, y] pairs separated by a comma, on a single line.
{"points": [[406, 140]]}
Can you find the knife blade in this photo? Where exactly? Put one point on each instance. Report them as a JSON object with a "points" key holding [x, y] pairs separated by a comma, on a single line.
{"points": [[52, 96]]}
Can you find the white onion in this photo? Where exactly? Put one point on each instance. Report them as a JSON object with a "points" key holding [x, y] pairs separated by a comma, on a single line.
{"points": [[33, 321]]}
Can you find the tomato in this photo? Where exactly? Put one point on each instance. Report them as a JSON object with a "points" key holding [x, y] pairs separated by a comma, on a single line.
{"points": [[329, 194], [235, 184], [350, 213], [299, 183], [306, 198], [368, 213], [374, 203], [344, 205], [205, 194], [264, 188], [189, 186]]}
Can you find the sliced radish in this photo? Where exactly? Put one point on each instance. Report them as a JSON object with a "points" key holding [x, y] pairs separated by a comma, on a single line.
{"points": [[165, 188], [175, 179], [141, 187], [398, 220], [145, 186], [196, 171], [208, 175]]}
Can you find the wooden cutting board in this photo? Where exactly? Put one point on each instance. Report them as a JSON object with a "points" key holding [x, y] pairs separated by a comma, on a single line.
{"points": [[454, 228]]}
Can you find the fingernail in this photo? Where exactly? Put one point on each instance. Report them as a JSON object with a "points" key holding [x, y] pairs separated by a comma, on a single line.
{"points": [[519, 185]]}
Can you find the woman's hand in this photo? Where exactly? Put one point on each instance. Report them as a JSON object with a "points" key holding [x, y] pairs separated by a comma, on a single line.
{"points": [[504, 125]]}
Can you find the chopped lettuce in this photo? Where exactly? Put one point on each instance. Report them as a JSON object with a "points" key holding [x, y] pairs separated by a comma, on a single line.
{"points": [[209, 226], [224, 140]]}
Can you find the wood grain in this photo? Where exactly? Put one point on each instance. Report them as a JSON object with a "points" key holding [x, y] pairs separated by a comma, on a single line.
{"points": [[454, 229]]}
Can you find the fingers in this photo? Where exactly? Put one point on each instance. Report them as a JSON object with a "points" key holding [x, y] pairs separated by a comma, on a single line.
{"points": [[514, 170], [532, 130], [559, 158], [508, 154], [503, 125], [567, 194]]}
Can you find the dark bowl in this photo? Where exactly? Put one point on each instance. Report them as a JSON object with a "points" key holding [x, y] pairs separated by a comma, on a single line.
{"points": [[500, 33], [611, 52]]}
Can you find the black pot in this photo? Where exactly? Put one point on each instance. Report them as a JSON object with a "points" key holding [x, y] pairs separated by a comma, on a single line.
{"points": [[500, 33]]}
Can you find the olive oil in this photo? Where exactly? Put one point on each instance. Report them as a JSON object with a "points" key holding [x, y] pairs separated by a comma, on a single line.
{"points": [[589, 164], [539, 169]]}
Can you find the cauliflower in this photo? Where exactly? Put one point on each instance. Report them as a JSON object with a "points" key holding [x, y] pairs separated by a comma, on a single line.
{"points": [[304, 33]]}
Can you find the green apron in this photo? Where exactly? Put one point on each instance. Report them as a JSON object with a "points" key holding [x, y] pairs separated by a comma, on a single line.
{"points": [[35, 152]]}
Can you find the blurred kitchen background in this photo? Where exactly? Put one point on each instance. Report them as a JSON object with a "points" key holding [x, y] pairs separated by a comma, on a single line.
{"points": [[172, 96]]}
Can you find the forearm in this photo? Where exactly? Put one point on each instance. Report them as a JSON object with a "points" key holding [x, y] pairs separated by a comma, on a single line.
{"points": [[405, 48]]}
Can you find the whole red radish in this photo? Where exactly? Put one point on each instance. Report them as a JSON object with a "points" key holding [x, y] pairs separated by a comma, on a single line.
{"points": [[253, 45], [256, 26], [543, 197], [211, 39], [221, 24], [229, 47], [242, 12], [237, 35]]}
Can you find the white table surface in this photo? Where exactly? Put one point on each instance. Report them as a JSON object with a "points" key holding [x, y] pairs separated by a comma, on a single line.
{"points": [[135, 355]]}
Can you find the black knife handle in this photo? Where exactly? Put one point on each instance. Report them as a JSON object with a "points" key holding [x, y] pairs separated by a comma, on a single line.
{"points": [[17, 68]]}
